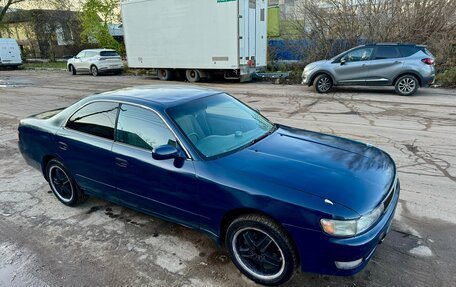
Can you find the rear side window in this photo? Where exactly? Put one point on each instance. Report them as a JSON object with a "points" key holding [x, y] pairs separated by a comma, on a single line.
{"points": [[96, 119], [142, 128], [109, 54], [407, 51], [386, 52]]}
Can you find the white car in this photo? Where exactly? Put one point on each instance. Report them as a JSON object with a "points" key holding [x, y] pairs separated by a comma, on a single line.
{"points": [[96, 61]]}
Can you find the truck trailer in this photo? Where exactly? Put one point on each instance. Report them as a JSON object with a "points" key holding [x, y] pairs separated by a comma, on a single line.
{"points": [[196, 39]]}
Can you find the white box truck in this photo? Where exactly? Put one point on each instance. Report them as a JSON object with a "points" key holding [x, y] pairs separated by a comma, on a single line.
{"points": [[196, 38], [10, 53]]}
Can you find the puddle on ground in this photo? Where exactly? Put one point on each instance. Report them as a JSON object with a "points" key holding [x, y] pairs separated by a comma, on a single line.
{"points": [[15, 83]]}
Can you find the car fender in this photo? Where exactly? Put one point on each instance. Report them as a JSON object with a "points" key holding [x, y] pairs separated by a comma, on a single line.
{"points": [[319, 72]]}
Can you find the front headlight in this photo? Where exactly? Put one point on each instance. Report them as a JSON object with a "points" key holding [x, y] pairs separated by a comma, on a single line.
{"points": [[345, 228]]}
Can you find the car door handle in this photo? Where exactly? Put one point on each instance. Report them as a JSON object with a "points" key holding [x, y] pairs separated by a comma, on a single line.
{"points": [[63, 146], [121, 162]]}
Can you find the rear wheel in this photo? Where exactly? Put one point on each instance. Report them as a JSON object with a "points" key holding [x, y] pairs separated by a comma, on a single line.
{"points": [[63, 185], [94, 70], [406, 85], [261, 249], [323, 83], [193, 76], [164, 74]]}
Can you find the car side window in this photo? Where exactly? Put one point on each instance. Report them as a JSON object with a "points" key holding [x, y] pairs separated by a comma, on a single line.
{"points": [[362, 54], [142, 128], [81, 54], [407, 51], [96, 119], [386, 52]]}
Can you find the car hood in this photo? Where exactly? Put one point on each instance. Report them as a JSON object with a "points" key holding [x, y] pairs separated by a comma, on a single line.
{"points": [[315, 64], [353, 174]]}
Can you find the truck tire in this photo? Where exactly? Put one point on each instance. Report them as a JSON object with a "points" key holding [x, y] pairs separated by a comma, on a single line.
{"points": [[193, 76], [164, 74]]}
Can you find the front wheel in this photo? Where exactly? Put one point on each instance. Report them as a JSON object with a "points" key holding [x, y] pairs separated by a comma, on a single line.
{"points": [[72, 69], [323, 83], [63, 185], [406, 85], [261, 249]]}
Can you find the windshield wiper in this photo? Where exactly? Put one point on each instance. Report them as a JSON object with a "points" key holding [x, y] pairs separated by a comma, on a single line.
{"points": [[271, 131]]}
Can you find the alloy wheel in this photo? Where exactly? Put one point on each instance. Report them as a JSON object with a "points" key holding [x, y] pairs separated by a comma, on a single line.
{"points": [[406, 85], [324, 84], [61, 184], [258, 254]]}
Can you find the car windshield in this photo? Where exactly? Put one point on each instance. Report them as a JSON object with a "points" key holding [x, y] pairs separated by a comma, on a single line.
{"points": [[219, 125]]}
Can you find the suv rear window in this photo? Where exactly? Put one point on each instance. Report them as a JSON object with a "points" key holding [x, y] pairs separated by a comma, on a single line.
{"points": [[108, 54], [386, 52]]}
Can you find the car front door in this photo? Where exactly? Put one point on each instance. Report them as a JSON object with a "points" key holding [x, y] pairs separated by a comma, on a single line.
{"points": [[84, 145], [353, 67], [77, 61], [163, 187], [386, 64]]}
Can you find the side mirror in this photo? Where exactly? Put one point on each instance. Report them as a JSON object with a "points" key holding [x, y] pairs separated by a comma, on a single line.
{"points": [[76, 57], [343, 61], [165, 152]]}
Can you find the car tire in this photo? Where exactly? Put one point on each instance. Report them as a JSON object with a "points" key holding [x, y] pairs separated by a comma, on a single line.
{"points": [[94, 70], [261, 249], [164, 74], [193, 76], [323, 83], [63, 185], [406, 85], [72, 70]]}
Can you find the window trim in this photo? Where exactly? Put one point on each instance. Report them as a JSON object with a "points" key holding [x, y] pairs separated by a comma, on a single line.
{"points": [[119, 102]]}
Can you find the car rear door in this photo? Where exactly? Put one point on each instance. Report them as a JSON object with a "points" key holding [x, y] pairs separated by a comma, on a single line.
{"points": [[164, 187], [386, 64], [84, 145], [353, 67]]}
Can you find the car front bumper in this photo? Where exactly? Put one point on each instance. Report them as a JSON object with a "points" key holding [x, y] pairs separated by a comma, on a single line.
{"points": [[319, 252]]}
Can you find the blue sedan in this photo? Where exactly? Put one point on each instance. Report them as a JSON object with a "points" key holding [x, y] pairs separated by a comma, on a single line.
{"points": [[277, 197]]}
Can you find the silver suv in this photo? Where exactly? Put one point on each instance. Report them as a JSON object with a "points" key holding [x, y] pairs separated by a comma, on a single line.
{"points": [[404, 66]]}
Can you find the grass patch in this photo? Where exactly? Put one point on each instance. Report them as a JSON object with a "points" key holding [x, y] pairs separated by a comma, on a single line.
{"points": [[44, 65], [447, 78]]}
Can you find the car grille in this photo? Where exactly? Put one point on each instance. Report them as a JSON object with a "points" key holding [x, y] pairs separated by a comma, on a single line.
{"points": [[390, 195]]}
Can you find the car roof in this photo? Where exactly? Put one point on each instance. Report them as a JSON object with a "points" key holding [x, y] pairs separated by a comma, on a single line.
{"points": [[98, 50], [158, 95]]}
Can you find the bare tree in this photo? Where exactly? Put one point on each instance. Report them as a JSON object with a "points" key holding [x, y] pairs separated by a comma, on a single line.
{"points": [[332, 26], [6, 4]]}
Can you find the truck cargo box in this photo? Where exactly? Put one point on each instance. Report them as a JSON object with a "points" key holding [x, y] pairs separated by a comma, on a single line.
{"points": [[196, 38]]}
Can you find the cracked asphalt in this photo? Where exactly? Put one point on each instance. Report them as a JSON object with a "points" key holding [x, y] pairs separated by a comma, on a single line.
{"points": [[43, 243]]}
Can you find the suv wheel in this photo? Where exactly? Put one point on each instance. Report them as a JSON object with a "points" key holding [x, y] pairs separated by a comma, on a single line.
{"points": [[94, 71], [406, 85], [323, 83], [72, 69], [261, 249]]}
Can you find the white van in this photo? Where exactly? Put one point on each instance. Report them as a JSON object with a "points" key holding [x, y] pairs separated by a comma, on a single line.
{"points": [[10, 53]]}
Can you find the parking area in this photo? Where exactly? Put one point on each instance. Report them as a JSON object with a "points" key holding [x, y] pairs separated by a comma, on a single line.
{"points": [[44, 243]]}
